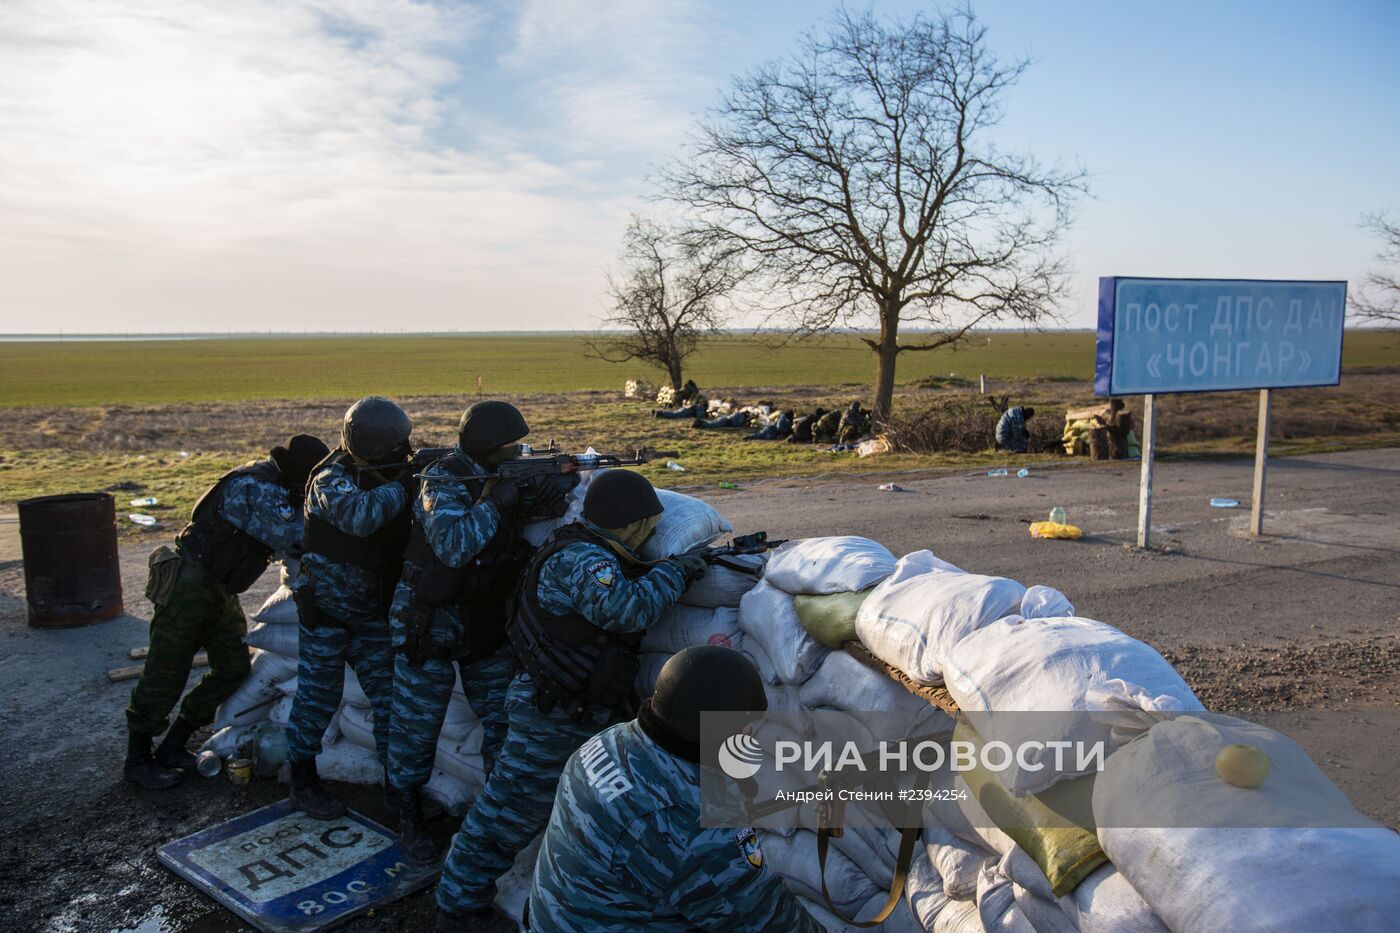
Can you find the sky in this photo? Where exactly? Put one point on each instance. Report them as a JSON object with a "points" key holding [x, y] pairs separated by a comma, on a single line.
{"points": [[385, 165]]}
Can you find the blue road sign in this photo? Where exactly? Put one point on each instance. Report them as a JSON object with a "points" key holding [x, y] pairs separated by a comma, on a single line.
{"points": [[284, 872], [1213, 335]]}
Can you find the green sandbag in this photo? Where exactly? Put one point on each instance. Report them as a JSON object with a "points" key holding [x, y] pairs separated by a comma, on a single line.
{"points": [[830, 619]]}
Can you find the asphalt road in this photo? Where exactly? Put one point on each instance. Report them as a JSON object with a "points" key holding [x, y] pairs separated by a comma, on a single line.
{"points": [[1303, 618]]}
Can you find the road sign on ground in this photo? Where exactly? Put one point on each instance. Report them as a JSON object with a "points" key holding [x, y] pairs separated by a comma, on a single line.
{"points": [[284, 872], [1208, 335]]}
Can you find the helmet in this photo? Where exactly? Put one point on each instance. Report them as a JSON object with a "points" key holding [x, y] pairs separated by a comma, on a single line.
{"points": [[699, 679], [297, 459], [617, 498], [486, 426], [376, 430]]}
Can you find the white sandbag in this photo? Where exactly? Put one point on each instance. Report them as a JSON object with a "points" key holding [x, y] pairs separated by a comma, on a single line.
{"points": [[1060, 667], [919, 562], [357, 725], [348, 762], [725, 586], [914, 623], [1045, 602], [226, 742], [459, 720], [768, 618], [1005, 907], [1033, 895], [684, 626], [794, 860], [253, 699], [686, 523], [281, 712], [842, 682], [452, 794], [838, 564], [875, 849], [958, 917], [957, 861], [463, 761], [1172, 827], [278, 637], [1105, 902], [288, 687], [923, 889], [353, 693], [277, 609]]}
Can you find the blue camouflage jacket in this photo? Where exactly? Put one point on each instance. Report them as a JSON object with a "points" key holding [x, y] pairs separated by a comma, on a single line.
{"points": [[347, 591], [1011, 429], [625, 851], [457, 528], [263, 511], [587, 578]]}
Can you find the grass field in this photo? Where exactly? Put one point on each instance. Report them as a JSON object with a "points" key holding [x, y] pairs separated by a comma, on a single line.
{"points": [[308, 368]]}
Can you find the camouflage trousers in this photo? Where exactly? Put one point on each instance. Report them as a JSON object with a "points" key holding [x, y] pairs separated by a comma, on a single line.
{"points": [[324, 652], [421, 695], [515, 804], [196, 616]]}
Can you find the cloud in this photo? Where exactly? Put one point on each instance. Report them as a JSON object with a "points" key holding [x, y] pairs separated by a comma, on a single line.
{"points": [[312, 164]]}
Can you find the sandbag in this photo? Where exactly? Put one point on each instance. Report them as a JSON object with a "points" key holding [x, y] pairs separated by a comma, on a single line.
{"points": [[920, 562], [923, 890], [957, 862], [1105, 902], [683, 626], [768, 619], [1006, 907], [459, 721], [277, 609], [914, 623], [253, 699], [278, 637], [838, 564], [686, 523], [463, 761], [357, 725], [723, 585], [794, 860], [353, 694], [830, 619], [226, 742], [281, 712], [1060, 667], [958, 917], [1045, 602], [842, 682], [348, 762], [452, 794], [1305, 858]]}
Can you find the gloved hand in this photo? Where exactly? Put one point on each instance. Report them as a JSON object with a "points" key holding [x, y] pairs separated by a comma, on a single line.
{"points": [[547, 495], [505, 494], [692, 565], [408, 479]]}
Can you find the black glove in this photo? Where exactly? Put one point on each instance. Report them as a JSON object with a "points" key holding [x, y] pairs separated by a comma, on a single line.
{"points": [[505, 494], [408, 479], [548, 494], [692, 565]]}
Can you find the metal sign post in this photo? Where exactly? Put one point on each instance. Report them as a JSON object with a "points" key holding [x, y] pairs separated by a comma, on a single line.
{"points": [[1215, 335], [1261, 460], [1149, 447]]}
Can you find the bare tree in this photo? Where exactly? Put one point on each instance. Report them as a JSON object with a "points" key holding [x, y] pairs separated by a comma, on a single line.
{"points": [[1379, 298], [669, 293], [858, 181]]}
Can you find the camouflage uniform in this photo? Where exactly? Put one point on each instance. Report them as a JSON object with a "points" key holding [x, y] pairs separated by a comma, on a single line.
{"points": [[1011, 431], [457, 527], [625, 851], [350, 594], [201, 614], [512, 808]]}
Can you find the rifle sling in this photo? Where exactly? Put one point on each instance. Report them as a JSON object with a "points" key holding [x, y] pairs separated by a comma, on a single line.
{"points": [[908, 837]]}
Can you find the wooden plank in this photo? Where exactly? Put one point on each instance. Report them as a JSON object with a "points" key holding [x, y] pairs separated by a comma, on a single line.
{"points": [[138, 653], [1261, 463], [1149, 450], [118, 674]]}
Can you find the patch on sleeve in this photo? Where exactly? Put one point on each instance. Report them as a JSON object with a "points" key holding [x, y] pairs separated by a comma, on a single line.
{"points": [[343, 484], [428, 497], [604, 571], [749, 848]]}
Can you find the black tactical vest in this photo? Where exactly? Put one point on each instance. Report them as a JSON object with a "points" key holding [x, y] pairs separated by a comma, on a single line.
{"points": [[230, 556], [380, 553], [575, 665]]}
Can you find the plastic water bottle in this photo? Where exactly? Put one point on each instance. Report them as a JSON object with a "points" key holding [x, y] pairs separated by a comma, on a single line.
{"points": [[270, 749], [209, 763], [1057, 515], [673, 465], [147, 520], [1023, 473], [996, 472], [144, 501]]}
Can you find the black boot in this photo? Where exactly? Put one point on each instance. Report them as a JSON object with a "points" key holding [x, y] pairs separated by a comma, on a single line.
{"points": [[172, 752], [490, 920], [309, 796], [413, 828], [142, 769]]}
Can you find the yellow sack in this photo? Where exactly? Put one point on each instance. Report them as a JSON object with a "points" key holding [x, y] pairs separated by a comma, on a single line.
{"points": [[1056, 530], [1055, 827], [830, 619]]}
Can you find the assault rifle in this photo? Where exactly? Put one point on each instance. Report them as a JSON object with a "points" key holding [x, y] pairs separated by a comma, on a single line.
{"points": [[530, 466], [756, 542]]}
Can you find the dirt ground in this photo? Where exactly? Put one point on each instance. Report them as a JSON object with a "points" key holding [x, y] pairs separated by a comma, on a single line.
{"points": [[1302, 619]]}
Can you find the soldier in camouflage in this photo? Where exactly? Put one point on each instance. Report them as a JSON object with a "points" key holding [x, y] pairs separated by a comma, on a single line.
{"points": [[464, 561], [625, 850], [585, 601], [356, 532], [246, 518]]}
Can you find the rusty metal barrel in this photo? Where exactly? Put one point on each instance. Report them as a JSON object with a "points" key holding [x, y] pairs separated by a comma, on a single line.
{"points": [[72, 569]]}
